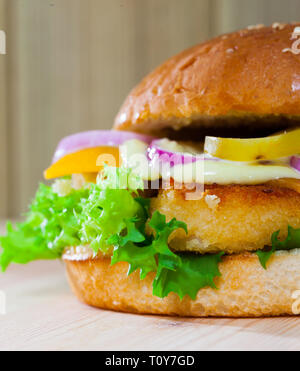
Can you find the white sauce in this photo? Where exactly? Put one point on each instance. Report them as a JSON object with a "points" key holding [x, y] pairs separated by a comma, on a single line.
{"points": [[134, 155], [221, 172]]}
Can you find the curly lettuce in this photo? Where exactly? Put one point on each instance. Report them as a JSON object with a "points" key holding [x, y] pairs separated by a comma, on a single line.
{"points": [[184, 274], [50, 226], [109, 215], [193, 273], [291, 242]]}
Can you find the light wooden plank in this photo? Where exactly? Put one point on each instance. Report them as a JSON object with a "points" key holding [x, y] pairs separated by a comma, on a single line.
{"points": [[73, 63], [28, 104], [48, 94], [169, 26], [112, 52], [231, 15], [3, 118], [281, 11]]}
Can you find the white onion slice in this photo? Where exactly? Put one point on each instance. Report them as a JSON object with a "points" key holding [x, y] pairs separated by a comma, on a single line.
{"points": [[96, 138]]}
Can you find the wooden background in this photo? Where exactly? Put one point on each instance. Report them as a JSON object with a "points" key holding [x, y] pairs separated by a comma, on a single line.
{"points": [[70, 64]]}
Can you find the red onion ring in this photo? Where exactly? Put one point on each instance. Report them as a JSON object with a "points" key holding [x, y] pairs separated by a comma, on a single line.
{"points": [[97, 138], [295, 162], [156, 152]]}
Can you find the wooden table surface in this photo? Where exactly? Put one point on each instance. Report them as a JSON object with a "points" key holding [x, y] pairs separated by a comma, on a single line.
{"points": [[43, 314]]}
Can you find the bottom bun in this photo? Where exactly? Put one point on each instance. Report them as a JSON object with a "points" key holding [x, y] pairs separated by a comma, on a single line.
{"points": [[245, 288]]}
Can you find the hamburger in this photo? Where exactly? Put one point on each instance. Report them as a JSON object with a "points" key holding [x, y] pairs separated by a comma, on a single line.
{"points": [[190, 206]]}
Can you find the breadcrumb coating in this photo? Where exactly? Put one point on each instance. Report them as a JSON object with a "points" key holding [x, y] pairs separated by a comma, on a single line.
{"points": [[243, 219]]}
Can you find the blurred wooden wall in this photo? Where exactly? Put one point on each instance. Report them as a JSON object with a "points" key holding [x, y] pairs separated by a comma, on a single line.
{"points": [[3, 121], [71, 63]]}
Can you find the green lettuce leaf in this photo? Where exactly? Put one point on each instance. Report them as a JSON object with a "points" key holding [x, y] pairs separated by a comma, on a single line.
{"points": [[194, 273], [163, 230], [112, 214], [143, 254], [138, 258], [109, 215], [184, 274], [106, 213], [291, 242], [51, 225], [114, 178]]}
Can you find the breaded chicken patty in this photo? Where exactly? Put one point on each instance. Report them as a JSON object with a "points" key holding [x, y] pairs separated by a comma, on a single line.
{"points": [[230, 218]]}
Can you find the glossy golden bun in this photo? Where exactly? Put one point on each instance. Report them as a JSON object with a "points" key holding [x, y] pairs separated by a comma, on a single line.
{"points": [[245, 288], [242, 79]]}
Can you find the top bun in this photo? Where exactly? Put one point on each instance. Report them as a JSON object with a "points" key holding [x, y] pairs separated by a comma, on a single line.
{"points": [[246, 80]]}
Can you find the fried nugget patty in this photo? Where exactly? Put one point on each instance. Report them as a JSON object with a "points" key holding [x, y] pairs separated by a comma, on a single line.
{"points": [[230, 218]]}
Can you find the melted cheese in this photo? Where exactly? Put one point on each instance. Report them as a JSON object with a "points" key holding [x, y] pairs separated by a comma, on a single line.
{"points": [[206, 170]]}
